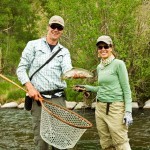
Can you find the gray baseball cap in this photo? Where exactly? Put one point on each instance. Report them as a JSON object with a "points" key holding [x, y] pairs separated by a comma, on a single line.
{"points": [[104, 38], [56, 19]]}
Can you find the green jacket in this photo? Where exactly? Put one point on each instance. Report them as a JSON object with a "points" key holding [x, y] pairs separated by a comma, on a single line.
{"points": [[113, 84]]}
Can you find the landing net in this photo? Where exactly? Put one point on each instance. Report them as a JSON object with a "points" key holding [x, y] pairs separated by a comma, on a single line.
{"points": [[60, 127]]}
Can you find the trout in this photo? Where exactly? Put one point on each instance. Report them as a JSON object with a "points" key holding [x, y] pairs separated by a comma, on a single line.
{"points": [[77, 73]]}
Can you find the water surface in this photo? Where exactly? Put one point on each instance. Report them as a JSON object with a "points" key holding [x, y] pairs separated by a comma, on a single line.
{"points": [[16, 131]]}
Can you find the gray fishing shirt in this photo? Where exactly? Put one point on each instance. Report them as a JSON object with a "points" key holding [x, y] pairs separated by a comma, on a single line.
{"points": [[35, 54]]}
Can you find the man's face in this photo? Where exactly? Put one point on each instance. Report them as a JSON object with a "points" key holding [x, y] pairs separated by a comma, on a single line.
{"points": [[55, 31]]}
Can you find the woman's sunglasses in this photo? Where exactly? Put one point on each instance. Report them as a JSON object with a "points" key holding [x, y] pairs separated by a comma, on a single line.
{"points": [[105, 47], [58, 26]]}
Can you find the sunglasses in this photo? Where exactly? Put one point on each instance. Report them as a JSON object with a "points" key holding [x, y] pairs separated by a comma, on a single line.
{"points": [[105, 47], [58, 26]]}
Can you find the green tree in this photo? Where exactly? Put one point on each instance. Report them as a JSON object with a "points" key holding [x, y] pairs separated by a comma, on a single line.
{"points": [[17, 26], [86, 20], [126, 21]]}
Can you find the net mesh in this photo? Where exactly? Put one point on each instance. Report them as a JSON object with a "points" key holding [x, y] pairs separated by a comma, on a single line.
{"points": [[61, 127]]}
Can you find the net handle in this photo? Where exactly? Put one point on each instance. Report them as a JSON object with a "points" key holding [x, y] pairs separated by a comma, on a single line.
{"points": [[41, 101], [61, 107]]}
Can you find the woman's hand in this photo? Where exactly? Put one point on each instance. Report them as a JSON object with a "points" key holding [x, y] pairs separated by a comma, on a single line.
{"points": [[79, 88], [128, 120]]}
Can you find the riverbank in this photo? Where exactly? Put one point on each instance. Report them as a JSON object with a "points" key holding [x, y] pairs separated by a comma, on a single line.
{"points": [[71, 105]]}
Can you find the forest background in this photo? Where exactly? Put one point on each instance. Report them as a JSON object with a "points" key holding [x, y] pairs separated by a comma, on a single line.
{"points": [[126, 21]]}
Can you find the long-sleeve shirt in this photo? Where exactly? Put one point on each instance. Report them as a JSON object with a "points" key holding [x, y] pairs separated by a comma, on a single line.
{"points": [[113, 84], [35, 54]]}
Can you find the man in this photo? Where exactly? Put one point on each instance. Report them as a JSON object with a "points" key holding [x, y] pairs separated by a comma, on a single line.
{"points": [[47, 81]]}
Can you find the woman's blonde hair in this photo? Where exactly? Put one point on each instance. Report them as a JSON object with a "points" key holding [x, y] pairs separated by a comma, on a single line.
{"points": [[113, 51]]}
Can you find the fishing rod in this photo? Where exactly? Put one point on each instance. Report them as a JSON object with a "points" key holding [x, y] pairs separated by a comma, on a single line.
{"points": [[57, 107], [85, 93], [5, 78]]}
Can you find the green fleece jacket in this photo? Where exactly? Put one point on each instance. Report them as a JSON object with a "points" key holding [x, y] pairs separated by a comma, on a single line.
{"points": [[113, 84]]}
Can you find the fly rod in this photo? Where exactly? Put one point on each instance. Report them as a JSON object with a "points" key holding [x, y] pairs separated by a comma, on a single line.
{"points": [[5, 78], [58, 116]]}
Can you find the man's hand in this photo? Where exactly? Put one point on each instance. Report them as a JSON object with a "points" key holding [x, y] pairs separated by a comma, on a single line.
{"points": [[128, 120], [32, 92], [78, 76]]}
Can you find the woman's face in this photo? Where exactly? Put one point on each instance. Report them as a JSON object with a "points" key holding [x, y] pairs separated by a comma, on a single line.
{"points": [[104, 50]]}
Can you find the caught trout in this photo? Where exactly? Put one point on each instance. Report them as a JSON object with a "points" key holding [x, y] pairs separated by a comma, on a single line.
{"points": [[77, 73]]}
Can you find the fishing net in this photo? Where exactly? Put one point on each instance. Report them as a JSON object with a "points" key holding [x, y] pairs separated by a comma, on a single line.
{"points": [[60, 127]]}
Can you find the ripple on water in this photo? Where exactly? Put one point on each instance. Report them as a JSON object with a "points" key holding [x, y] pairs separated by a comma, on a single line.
{"points": [[16, 131]]}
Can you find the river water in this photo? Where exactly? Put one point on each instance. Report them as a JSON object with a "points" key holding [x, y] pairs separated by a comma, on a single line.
{"points": [[16, 131]]}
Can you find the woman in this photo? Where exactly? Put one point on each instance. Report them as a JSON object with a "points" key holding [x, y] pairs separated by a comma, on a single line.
{"points": [[114, 103]]}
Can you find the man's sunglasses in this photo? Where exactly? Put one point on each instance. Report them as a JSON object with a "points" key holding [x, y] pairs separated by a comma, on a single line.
{"points": [[105, 47], [58, 26]]}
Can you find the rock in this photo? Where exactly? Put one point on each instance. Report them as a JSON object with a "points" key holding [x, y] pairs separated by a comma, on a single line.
{"points": [[10, 105], [81, 105], [93, 105], [70, 105], [147, 104], [21, 106], [135, 105]]}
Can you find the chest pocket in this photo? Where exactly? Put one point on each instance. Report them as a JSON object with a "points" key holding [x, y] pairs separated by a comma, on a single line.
{"points": [[40, 58], [59, 58], [56, 62]]}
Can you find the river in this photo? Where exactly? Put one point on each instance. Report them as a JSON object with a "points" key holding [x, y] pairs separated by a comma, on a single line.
{"points": [[16, 131]]}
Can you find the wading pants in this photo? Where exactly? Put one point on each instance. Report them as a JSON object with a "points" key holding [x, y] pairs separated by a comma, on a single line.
{"points": [[40, 144], [112, 132]]}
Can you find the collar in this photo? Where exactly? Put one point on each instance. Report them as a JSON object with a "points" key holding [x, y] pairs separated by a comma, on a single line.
{"points": [[106, 62], [57, 45]]}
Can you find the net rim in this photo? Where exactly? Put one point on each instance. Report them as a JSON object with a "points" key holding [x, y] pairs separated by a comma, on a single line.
{"points": [[70, 111]]}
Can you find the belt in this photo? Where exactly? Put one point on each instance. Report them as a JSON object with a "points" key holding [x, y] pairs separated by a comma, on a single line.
{"points": [[52, 92], [107, 107]]}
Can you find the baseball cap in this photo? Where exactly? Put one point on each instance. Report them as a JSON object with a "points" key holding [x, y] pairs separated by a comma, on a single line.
{"points": [[56, 19], [104, 38]]}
